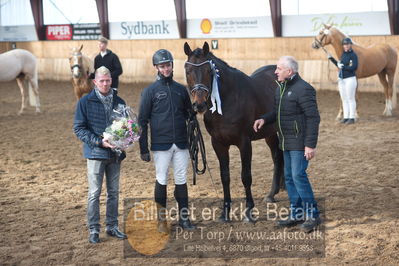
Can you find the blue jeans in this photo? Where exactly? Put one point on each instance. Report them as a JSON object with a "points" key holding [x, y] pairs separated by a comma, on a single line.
{"points": [[95, 175], [302, 202]]}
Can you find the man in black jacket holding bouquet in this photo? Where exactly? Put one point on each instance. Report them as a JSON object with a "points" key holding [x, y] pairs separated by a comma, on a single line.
{"points": [[92, 116]]}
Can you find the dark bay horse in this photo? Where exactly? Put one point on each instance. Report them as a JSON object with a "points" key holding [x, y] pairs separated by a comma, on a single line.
{"points": [[242, 100]]}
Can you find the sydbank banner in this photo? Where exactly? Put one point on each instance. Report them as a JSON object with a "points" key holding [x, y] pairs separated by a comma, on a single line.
{"points": [[245, 27], [134, 30], [365, 23]]}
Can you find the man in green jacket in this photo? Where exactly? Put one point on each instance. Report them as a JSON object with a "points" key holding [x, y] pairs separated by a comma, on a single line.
{"points": [[298, 120]]}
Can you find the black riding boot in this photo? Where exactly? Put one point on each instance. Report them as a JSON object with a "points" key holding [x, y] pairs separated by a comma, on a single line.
{"points": [[181, 196], [160, 199]]}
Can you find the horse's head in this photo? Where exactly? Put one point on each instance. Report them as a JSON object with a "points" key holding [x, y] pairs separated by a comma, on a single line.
{"points": [[323, 38], [199, 75], [76, 62]]}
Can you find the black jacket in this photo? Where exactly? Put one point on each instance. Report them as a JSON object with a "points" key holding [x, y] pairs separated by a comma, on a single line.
{"points": [[349, 59], [296, 113], [166, 105], [110, 61], [90, 123]]}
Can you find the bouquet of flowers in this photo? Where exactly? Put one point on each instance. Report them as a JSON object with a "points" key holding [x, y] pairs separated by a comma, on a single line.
{"points": [[124, 130]]}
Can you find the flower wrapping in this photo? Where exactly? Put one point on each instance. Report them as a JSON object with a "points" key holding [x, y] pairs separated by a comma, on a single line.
{"points": [[124, 130]]}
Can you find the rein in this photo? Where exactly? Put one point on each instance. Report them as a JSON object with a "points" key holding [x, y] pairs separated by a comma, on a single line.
{"points": [[196, 145], [325, 50]]}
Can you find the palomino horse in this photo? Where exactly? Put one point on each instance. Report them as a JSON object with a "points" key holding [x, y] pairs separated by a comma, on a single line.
{"points": [[378, 59], [20, 65], [241, 99], [81, 67]]}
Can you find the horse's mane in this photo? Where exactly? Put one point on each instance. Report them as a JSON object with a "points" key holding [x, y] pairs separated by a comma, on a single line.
{"points": [[224, 63], [198, 52]]}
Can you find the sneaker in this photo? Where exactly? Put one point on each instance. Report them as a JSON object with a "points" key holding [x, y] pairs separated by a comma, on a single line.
{"points": [[288, 222], [310, 224], [186, 225], [350, 121], [116, 233], [94, 238], [343, 121]]}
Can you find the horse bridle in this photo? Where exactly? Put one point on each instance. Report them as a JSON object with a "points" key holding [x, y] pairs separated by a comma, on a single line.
{"points": [[319, 42], [325, 33], [200, 86], [76, 65]]}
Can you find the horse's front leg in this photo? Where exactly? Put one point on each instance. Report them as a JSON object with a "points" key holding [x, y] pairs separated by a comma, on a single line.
{"points": [[278, 172], [222, 152], [340, 114], [246, 176]]}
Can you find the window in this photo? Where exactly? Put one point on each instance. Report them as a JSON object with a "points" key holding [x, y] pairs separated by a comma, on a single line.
{"points": [[226, 8], [302, 7], [70, 12], [141, 10], [15, 13]]}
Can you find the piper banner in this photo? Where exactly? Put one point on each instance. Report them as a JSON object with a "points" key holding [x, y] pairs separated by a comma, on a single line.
{"points": [[366, 23], [246, 27], [89, 31]]}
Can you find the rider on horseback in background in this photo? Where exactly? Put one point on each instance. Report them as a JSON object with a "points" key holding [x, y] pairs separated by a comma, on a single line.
{"points": [[165, 104], [347, 82]]}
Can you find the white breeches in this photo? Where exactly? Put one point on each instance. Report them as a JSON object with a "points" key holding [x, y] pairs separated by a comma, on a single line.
{"points": [[347, 90], [178, 158]]}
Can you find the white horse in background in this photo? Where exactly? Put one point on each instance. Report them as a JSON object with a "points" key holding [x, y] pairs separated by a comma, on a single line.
{"points": [[20, 64]]}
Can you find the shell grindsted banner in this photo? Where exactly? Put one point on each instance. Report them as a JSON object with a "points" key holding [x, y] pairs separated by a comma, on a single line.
{"points": [[245, 27]]}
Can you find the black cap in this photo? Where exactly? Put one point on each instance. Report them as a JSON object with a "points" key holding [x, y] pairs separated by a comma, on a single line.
{"points": [[161, 56], [346, 41]]}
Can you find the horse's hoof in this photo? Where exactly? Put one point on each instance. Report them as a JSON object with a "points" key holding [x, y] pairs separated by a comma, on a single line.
{"points": [[269, 199], [249, 218], [387, 113], [223, 219]]}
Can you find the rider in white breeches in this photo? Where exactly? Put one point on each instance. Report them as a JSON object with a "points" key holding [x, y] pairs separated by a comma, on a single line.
{"points": [[347, 82]]}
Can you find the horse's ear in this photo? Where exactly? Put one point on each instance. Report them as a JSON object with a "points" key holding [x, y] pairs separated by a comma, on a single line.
{"points": [[81, 47], [205, 48], [187, 49]]}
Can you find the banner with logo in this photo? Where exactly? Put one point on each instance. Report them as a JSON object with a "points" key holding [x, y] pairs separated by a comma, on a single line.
{"points": [[88, 31], [246, 27], [59, 32], [365, 23], [18, 33], [134, 30]]}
